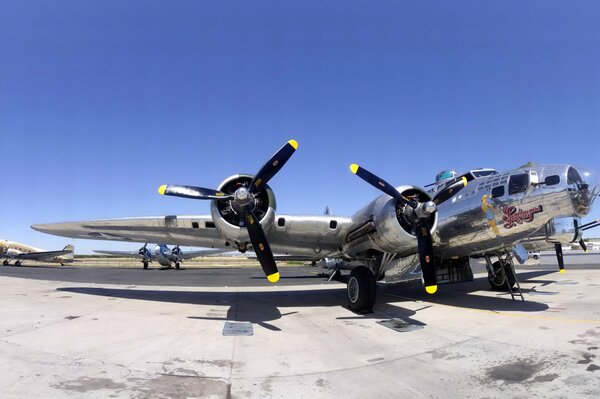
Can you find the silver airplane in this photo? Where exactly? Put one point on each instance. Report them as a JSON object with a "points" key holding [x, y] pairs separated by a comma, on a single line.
{"points": [[162, 254], [406, 233], [11, 250]]}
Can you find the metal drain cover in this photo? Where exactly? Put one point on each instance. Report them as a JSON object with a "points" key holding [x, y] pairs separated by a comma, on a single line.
{"points": [[399, 325], [238, 328]]}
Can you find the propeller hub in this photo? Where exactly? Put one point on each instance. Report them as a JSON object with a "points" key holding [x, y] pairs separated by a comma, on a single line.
{"points": [[242, 195], [429, 207]]}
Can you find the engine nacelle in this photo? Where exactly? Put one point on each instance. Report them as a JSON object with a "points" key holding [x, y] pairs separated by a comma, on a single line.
{"points": [[227, 218], [383, 225], [562, 229]]}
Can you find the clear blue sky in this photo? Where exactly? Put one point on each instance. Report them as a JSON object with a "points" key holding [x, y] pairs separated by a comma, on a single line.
{"points": [[103, 101]]}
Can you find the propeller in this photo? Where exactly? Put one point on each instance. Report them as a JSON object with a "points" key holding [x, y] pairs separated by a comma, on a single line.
{"points": [[559, 256], [144, 251], [243, 199], [419, 213], [450, 191]]}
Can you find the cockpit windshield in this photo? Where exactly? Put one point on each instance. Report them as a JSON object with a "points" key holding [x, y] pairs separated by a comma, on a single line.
{"points": [[483, 172]]}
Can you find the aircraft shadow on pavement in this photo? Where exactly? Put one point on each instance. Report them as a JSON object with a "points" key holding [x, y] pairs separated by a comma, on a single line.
{"points": [[261, 307]]}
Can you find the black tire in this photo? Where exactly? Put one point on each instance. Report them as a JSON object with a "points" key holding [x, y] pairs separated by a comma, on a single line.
{"points": [[504, 277], [145, 265], [177, 265], [17, 263], [5, 263], [361, 290], [536, 257]]}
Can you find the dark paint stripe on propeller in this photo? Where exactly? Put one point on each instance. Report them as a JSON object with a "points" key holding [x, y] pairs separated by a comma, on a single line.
{"points": [[273, 165], [191, 192], [380, 184], [426, 257], [261, 246], [450, 191]]}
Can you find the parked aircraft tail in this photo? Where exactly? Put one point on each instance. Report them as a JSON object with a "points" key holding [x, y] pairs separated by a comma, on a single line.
{"points": [[69, 248]]}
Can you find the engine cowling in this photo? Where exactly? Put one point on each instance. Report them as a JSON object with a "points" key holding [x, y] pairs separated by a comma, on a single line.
{"points": [[228, 218], [386, 225]]}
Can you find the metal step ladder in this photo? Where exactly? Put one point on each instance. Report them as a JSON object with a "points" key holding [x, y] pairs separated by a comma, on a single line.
{"points": [[517, 292]]}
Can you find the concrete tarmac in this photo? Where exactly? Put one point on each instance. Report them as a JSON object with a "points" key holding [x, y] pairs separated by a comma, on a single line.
{"points": [[99, 332]]}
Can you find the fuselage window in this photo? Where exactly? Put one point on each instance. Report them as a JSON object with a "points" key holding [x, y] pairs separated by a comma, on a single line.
{"points": [[333, 224], [498, 192], [518, 183], [281, 222], [195, 225]]}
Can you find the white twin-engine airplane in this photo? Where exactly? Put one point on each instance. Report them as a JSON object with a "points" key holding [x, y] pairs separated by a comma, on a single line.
{"points": [[405, 233], [10, 250], [162, 254]]}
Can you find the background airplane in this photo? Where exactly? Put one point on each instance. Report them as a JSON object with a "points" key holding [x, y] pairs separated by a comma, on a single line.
{"points": [[405, 233], [10, 250], [162, 254]]}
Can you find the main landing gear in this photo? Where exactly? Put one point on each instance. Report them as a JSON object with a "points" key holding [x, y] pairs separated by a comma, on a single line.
{"points": [[501, 276], [5, 263], [177, 264], [18, 263], [361, 290], [145, 264]]}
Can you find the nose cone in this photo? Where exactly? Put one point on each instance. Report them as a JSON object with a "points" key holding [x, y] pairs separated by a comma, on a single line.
{"points": [[584, 186]]}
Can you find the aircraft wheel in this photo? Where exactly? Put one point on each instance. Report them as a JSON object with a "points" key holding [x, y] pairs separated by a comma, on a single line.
{"points": [[5, 263], [504, 277], [177, 265], [361, 290], [17, 263], [536, 257], [145, 265]]}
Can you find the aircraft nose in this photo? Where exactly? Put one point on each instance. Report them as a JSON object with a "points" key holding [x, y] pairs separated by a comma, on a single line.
{"points": [[584, 186]]}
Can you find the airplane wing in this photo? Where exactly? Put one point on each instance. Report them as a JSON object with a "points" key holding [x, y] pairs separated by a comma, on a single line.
{"points": [[311, 236], [196, 231], [205, 252], [132, 254], [42, 255]]}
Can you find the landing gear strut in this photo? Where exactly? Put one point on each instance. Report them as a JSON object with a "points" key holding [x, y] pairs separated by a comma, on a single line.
{"points": [[145, 264], [361, 290], [177, 265]]}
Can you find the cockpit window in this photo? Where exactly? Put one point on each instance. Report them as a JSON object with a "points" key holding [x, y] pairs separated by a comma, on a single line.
{"points": [[482, 173], [573, 176], [518, 183]]}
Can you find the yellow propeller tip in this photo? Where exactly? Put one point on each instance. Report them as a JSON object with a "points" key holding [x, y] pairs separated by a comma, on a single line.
{"points": [[431, 289], [562, 270], [273, 278], [162, 189], [354, 168], [464, 180], [294, 144]]}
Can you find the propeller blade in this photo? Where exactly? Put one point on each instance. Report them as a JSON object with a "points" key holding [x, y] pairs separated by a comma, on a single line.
{"points": [[274, 164], [583, 246], [450, 191], [426, 257], [380, 184], [191, 192], [261, 246], [559, 256]]}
